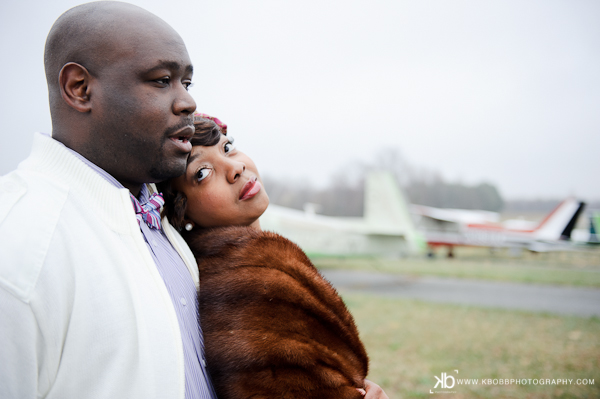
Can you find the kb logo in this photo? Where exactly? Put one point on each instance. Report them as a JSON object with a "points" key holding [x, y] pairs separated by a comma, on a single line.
{"points": [[442, 381]]}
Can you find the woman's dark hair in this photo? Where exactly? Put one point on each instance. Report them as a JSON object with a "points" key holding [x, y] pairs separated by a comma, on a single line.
{"points": [[207, 134]]}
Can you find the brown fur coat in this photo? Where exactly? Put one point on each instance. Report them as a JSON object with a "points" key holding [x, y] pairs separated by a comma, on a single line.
{"points": [[273, 327]]}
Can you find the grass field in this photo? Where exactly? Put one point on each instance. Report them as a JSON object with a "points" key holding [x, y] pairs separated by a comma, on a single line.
{"points": [[410, 342], [565, 268]]}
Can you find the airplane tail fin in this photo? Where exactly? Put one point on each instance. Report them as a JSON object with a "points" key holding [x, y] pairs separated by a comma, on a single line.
{"points": [[559, 223], [386, 207], [384, 202]]}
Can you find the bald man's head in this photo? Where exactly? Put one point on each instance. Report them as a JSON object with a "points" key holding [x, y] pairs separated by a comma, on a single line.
{"points": [[117, 79], [89, 35]]}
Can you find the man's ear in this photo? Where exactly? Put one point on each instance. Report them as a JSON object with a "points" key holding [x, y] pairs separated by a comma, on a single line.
{"points": [[74, 81]]}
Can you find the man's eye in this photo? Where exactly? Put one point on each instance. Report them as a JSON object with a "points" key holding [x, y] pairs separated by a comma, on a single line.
{"points": [[163, 81], [187, 85], [203, 174]]}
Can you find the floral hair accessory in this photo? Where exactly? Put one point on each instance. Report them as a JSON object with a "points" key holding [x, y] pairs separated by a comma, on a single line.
{"points": [[198, 116]]}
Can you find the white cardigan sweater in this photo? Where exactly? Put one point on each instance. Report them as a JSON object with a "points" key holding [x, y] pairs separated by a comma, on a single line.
{"points": [[84, 312]]}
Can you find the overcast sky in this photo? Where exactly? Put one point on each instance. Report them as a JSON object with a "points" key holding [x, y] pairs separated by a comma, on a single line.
{"points": [[506, 92]]}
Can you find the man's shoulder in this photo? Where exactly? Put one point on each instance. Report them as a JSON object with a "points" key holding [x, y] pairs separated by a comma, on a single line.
{"points": [[25, 196], [30, 209]]}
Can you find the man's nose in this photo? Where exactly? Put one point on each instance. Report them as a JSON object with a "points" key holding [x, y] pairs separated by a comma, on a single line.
{"points": [[184, 103]]}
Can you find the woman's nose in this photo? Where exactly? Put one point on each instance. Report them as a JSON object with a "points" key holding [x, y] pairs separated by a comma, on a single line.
{"points": [[236, 168]]}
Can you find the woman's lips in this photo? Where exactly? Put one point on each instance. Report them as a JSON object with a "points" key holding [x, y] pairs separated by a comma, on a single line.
{"points": [[250, 189]]}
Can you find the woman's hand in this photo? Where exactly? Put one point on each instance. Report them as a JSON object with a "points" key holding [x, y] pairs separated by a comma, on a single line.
{"points": [[373, 391]]}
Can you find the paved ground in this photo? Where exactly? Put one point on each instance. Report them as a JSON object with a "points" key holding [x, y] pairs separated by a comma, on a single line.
{"points": [[538, 298]]}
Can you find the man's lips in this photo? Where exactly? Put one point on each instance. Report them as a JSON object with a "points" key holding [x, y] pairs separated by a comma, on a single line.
{"points": [[250, 189], [182, 137]]}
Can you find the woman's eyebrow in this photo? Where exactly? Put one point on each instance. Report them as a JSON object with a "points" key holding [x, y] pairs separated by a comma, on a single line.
{"points": [[191, 159]]}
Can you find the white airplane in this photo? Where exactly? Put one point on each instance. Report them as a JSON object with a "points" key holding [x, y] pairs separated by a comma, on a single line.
{"points": [[457, 227], [387, 228]]}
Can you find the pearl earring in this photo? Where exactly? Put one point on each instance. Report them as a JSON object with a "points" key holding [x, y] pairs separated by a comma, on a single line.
{"points": [[189, 226]]}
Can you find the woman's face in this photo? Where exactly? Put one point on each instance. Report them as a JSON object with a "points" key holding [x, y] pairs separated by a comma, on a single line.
{"points": [[222, 187]]}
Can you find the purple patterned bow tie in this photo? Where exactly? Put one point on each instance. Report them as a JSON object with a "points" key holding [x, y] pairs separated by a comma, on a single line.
{"points": [[149, 212]]}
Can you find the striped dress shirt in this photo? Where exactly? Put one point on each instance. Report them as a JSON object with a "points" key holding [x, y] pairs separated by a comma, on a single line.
{"points": [[182, 290]]}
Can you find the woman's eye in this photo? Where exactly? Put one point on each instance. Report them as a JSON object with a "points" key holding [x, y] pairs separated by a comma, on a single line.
{"points": [[229, 146], [203, 173]]}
